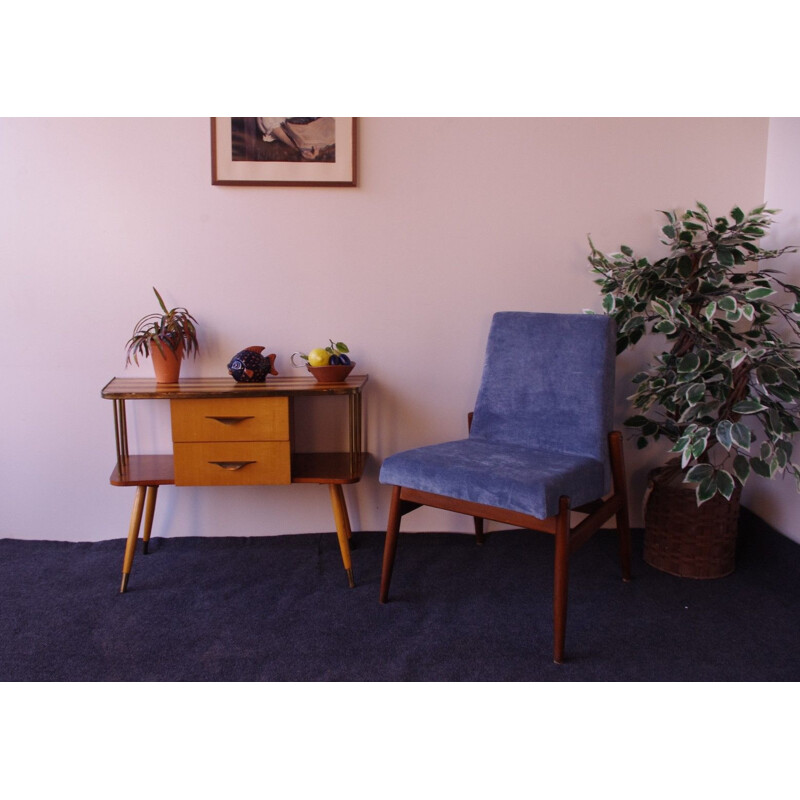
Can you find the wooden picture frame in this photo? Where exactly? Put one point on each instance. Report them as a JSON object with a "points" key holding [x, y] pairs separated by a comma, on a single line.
{"points": [[283, 151]]}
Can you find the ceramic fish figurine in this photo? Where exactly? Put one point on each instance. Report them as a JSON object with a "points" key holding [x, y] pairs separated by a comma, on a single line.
{"points": [[249, 366]]}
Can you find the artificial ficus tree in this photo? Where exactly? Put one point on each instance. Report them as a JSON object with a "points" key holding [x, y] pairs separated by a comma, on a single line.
{"points": [[730, 327]]}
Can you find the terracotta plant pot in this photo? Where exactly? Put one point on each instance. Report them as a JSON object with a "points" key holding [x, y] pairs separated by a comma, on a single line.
{"points": [[167, 366], [332, 374]]}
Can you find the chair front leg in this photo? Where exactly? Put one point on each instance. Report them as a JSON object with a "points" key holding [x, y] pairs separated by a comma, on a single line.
{"points": [[561, 580], [390, 545]]}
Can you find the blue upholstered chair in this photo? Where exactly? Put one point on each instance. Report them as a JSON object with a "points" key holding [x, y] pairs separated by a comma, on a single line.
{"points": [[540, 445]]}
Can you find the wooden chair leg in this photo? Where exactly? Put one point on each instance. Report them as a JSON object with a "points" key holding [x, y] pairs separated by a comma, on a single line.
{"points": [[479, 538], [342, 528], [561, 580], [133, 535], [621, 490], [390, 545], [149, 513]]}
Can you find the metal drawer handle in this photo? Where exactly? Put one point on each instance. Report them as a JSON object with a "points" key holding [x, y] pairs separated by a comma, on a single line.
{"points": [[231, 466], [229, 420]]}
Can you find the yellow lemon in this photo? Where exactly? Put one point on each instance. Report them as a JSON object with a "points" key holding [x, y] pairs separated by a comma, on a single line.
{"points": [[319, 357]]}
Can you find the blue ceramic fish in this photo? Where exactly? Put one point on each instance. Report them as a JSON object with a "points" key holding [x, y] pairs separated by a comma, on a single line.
{"points": [[249, 366]]}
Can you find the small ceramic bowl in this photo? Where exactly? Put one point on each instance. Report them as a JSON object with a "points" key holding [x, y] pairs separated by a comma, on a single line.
{"points": [[335, 373]]}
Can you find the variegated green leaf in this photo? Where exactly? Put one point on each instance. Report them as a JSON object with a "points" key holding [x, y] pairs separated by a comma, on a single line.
{"points": [[759, 293], [724, 433], [741, 468], [706, 490], [698, 473], [725, 484], [741, 435], [749, 407]]}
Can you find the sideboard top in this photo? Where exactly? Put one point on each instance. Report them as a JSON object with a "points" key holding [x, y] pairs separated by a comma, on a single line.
{"points": [[197, 388]]}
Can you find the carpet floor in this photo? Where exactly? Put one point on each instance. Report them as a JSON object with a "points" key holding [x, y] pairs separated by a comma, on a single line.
{"points": [[278, 609]]}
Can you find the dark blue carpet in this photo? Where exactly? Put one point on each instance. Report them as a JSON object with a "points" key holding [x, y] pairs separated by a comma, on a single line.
{"points": [[278, 609]]}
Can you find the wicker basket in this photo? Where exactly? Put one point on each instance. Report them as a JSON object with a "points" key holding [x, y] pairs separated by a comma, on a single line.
{"points": [[683, 539]]}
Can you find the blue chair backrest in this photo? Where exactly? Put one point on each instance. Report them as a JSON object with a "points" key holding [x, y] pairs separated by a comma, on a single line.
{"points": [[548, 382]]}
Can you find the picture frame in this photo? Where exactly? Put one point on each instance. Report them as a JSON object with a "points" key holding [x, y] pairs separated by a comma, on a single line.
{"points": [[283, 151]]}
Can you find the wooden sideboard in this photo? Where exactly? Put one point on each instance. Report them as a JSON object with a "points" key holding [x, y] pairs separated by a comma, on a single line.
{"points": [[234, 434]]}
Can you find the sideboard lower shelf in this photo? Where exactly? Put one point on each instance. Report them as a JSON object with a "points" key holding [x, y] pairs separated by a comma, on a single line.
{"points": [[159, 470]]}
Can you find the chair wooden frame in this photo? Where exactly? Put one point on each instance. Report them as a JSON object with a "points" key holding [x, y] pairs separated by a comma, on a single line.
{"points": [[567, 538]]}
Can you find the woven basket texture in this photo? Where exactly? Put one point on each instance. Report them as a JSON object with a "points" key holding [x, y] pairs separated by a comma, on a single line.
{"points": [[684, 539]]}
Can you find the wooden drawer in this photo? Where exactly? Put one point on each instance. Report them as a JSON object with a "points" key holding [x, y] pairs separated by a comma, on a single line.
{"points": [[232, 463], [236, 419]]}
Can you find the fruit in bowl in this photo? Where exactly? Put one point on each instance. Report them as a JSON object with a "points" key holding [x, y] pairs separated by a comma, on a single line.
{"points": [[330, 364]]}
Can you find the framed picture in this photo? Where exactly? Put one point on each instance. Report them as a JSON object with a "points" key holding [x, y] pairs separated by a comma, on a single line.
{"points": [[283, 151]]}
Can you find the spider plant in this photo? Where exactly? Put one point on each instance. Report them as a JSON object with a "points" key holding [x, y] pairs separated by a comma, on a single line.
{"points": [[168, 329]]}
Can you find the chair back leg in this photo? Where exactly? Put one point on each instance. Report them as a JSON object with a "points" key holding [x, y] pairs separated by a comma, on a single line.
{"points": [[561, 580], [621, 491]]}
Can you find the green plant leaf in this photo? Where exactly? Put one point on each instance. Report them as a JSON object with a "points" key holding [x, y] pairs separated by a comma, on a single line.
{"points": [[741, 468], [759, 293], [695, 393], [748, 407], [737, 357], [725, 257], [637, 421], [706, 489], [665, 326], [698, 473], [737, 214], [689, 363], [760, 467], [725, 484], [661, 308], [788, 378], [727, 303], [160, 301], [768, 375], [609, 303], [698, 448], [734, 316], [724, 433], [741, 435]]}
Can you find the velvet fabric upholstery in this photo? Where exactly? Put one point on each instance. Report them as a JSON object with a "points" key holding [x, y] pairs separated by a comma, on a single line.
{"points": [[541, 421]]}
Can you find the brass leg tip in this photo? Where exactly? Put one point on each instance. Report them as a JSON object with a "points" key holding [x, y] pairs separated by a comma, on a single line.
{"points": [[144, 548], [350, 580], [124, 584]]}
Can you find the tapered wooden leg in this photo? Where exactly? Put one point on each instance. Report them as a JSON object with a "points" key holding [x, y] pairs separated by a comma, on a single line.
{"points": [[621, 490], [390, 545], [342, 528], [133, 535], [478, 521], [149, 513], [561, 581]]}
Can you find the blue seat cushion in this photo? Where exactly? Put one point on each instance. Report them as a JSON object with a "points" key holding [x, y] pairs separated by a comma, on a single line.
{"points": [[501, 474]]}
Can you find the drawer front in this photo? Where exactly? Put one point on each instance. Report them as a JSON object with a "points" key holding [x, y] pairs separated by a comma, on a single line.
{"points": [[232, 463], [243, 419]]}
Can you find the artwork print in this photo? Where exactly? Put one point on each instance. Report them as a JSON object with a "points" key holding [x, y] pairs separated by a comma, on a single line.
{"points": [[283, 151]]}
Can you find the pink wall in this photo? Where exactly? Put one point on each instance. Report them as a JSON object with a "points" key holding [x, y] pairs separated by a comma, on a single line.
{"points": [[452, 220], [777, 501]]}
